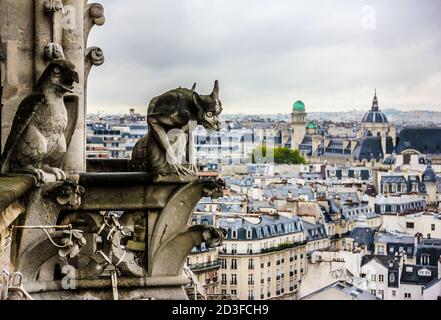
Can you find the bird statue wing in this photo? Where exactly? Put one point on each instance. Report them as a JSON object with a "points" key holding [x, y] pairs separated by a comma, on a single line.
{"points": [[71, 104], [23, 116]]}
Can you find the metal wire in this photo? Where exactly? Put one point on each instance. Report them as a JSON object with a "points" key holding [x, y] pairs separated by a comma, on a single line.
{"points": [[47, 233]]}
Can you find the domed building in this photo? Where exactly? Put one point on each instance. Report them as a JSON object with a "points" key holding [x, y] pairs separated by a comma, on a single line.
{"points": [[311, 128], [298, 124], [375, 123], [298, 106], [430, 180]]}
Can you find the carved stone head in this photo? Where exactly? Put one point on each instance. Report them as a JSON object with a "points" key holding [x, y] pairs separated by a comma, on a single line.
{"points": [[209, 108], [60, 74]]}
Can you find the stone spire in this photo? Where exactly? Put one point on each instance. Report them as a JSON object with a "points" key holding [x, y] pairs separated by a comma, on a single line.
{"points": [[375, 102]]}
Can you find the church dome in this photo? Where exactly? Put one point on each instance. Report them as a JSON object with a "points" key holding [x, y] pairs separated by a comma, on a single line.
{"points": [[298, 106], [311, 125], [375, 115]]}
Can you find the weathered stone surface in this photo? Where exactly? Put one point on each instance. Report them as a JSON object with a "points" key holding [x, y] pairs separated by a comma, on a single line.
{"points": [[37, 141], [168, 144], [13, 187], [124, 235]]}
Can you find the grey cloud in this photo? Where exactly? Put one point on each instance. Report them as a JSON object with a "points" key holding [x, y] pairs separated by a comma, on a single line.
{"points": [[269, 53]]}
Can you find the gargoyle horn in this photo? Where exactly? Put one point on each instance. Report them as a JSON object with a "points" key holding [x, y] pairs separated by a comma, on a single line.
{"points": [[194, 87], [215, 93]]}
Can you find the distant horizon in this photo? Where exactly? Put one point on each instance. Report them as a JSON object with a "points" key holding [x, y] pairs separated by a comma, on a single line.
{"points": [[391, 109]]}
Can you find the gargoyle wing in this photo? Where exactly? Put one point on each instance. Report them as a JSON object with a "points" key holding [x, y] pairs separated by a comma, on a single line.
{"points": [[23, 116]]}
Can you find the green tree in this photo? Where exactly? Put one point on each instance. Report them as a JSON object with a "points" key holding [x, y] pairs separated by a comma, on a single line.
{"points": [[281, 155]]}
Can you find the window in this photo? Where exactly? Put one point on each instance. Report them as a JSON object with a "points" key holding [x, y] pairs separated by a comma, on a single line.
{"points": [[433, 227], [380, 278], [425, 259], [391, 278], [381, 293], [223, 291], [250, 295], [224, 279], [223, 263], [233, 292], [407, 295], [233, 279], [233, 248], [394, 293], [234, 264], [250, 279], [410, 225], [234, 234], [373, 277], [373, 292], [249, 234], [381, 250], [250, 264]]}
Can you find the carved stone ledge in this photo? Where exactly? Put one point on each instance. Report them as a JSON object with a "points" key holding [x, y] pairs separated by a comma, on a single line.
{"points": [[110, 210], [13, 187]]}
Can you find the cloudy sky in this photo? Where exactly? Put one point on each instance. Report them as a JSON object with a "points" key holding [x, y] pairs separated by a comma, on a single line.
{"points": [[269, 53]]}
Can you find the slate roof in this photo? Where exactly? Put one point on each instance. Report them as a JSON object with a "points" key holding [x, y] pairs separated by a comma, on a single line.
{"points": [[375, 117], [314, 231], [347, 288], [255, 205], [429, 175], [363, 236], [389, 262], [370, 148], [426, 140], [394, 238], [269, 227], [409, 275]]}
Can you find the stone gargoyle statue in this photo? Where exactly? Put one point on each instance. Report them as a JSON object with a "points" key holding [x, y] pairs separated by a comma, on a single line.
{"points": [[169, 118], [37, 141]]}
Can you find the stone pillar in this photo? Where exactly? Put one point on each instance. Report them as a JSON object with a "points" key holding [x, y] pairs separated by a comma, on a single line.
{"points": [[73, 46]]}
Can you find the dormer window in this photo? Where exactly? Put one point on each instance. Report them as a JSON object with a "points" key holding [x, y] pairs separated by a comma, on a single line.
{"points": [[234, 234], [259, 233], [249, 234]]}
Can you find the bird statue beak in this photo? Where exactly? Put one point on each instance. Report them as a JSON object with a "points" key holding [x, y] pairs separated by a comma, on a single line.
{"points": [[68, 83]]}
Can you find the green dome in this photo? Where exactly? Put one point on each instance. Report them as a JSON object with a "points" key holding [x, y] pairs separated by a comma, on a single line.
{"points": [[311, 125], [298, 106]]}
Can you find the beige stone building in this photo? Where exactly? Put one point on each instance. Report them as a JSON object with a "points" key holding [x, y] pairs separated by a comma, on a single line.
{"points": [[265, 260], [205, 264]]}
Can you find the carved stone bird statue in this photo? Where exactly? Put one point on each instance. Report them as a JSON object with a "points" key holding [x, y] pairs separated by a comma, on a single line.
{"points": [[37, 141]]}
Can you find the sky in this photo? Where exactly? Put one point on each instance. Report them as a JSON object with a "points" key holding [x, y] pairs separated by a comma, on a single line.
{"points": [[267, 54]]}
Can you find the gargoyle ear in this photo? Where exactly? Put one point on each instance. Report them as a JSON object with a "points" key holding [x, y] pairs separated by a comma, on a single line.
{"points": [[194, 87], [215, 93], [197, 100]]}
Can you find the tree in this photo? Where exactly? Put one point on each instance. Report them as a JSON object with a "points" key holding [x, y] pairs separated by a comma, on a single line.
{"points": [[281, 155]]}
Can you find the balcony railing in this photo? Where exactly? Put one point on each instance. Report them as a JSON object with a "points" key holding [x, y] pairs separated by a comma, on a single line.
{"points": [[206, 265]]}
